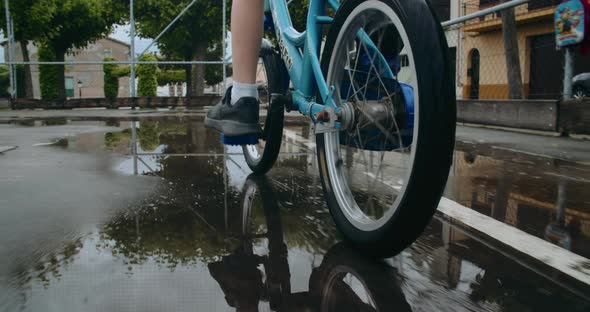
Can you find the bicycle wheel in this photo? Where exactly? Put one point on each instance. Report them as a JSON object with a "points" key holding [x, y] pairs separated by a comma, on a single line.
{"points": [[384, 173], [261, 157]]}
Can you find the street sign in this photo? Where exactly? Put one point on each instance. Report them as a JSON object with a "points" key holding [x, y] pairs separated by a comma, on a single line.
{"points": [[569, 23]]}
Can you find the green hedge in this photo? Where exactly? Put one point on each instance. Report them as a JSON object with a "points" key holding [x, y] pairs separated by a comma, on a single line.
{"points": [[48, 74], [148, 76], [171, 76], [112, 73], [111, 81], [5, 81]]}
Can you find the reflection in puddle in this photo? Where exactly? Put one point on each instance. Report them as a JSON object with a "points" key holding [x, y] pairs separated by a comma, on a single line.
{"points": [[546, 198], [207, 235]]}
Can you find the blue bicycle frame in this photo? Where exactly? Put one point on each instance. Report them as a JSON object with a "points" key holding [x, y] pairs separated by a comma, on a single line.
{"points": [[300, 52]]}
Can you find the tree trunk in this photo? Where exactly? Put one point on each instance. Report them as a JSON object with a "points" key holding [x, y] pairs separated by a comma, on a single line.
{"points": [[512, 56], [189, 79], [61, 77], [28, 77], [197, 86]]}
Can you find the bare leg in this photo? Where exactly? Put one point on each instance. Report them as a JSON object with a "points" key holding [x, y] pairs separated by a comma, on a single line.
{"points": [[237, 115], [246, 30]]}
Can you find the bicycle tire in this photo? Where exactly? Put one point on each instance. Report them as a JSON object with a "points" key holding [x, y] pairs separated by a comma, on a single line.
{"points": [[432, 148], [261, 159]]}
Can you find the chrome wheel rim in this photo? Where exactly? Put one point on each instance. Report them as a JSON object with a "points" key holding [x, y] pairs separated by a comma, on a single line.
{"points": [[369, 185]]}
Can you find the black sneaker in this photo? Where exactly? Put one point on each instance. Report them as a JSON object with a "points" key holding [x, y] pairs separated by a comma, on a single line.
{"points": [[234, 120]]}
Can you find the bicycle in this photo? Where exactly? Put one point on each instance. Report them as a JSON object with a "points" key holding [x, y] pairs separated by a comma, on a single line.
{"points": [[382, 103]]}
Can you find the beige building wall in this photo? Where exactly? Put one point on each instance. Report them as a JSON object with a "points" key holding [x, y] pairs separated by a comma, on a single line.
{"points": [[91, 76], [492, 70], [489, 42]]}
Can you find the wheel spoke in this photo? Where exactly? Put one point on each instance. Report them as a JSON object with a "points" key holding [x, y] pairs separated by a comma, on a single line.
{"points": [[368, 162]]}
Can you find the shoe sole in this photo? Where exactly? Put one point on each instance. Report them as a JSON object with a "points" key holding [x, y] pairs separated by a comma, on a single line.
{"points": [[232, 128]]}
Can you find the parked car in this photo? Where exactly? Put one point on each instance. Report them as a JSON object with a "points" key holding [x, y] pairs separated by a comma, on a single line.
{"points": [[581, 87]]}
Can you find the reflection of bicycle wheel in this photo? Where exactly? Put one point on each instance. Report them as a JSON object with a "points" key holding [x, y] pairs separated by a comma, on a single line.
{"points": [[258, 194], [346, 281], [383, 174]]}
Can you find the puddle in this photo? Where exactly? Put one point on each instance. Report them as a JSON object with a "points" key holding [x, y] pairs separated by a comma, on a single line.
{"points": [[81, 232]]}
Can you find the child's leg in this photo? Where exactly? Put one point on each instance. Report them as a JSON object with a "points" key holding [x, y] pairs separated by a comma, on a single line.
{"points": [[246, 30], [237, 114]]}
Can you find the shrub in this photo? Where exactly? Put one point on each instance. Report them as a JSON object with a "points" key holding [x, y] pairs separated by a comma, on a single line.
{"points": [[171, 76], [148, 76], [48, 74], [112, 73], [4, 81], [111, 81]]}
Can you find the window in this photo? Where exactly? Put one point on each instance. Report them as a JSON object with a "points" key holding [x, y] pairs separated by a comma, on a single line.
{"points": [[70, 86], [108, 53]]}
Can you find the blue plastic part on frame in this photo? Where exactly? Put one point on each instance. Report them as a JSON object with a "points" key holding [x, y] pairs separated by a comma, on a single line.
{"points": [[249, 139]]}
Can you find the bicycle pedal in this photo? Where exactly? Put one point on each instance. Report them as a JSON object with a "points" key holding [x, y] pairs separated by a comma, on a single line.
{"points": [[248, 139]]}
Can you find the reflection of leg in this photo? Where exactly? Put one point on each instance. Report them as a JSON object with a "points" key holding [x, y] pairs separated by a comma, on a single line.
{"points": [[239, 279], [278, 279]]}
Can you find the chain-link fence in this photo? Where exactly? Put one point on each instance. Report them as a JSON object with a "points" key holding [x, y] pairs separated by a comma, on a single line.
{"points": [[489, 64], [492, 55], [113, 67]]}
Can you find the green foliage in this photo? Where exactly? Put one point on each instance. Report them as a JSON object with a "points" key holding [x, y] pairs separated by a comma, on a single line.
{"points": [[111, 82], [48, 74], [149, 135], [298, 12], [148, 76], [112, 73], [171, 76], [4, 81], [20, 81], [200, 24], [30, 17], [195, 32], [75, 24], [214, 73]]}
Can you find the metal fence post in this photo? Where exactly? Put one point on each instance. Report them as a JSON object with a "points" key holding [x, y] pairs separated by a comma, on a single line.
{"points": [[568, 74], [223, 41], [132, 39], [134, 146], [8, 37]]}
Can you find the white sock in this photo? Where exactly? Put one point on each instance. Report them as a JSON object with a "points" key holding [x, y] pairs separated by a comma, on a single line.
{"points": [[240, 90]]}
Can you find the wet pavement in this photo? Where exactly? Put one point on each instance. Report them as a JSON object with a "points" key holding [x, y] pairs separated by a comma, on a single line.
{"points": [[193, 231]]}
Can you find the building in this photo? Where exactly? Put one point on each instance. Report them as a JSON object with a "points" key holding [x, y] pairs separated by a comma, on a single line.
{"points": [[84, 81], [483, 75]]}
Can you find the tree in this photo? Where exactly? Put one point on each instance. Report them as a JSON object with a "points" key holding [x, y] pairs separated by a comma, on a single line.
{"points": [[193, 35], [31, 21], [75, 24], [512, 56]]}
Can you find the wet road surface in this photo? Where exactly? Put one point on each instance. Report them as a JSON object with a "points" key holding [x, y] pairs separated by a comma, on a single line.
{"points": [[194, 232]]}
